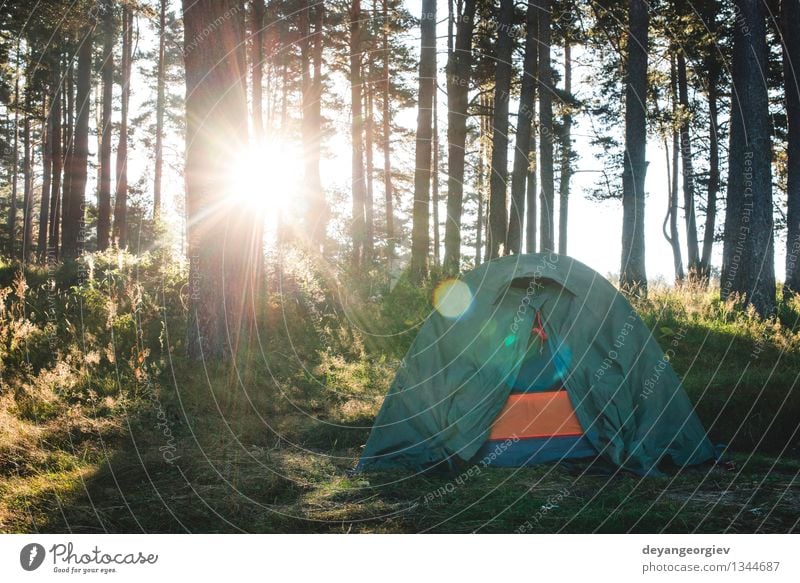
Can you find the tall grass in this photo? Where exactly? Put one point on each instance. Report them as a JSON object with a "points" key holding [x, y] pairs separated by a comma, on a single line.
{"points": [[105, 425]]}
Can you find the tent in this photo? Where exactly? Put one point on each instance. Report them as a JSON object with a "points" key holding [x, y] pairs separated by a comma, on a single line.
{"points": [[531, 359]]}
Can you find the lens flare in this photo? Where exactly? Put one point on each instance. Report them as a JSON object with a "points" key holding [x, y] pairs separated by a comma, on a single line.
{"points": [[266, 177], [452, 298]]}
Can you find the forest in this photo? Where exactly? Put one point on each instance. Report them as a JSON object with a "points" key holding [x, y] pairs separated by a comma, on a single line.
{"points": [[223, 223]]}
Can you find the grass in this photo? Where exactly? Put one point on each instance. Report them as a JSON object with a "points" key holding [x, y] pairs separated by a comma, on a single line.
{"points": [[115, 432]]}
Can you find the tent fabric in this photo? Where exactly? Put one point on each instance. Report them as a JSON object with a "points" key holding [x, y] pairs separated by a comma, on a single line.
{"points": [[459, 371], [534, 451], [538, 370], [536, 415]]}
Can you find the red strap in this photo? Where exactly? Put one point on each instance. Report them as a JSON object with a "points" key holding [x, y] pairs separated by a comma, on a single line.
{"points": [[538, 328]]}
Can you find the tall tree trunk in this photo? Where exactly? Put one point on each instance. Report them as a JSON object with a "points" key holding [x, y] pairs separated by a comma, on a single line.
{"points": [[311, 70], [531, 206], [693, 253], [285, 92], [98, 124], [369, 208], [498, 213], [671, 219], [713, 177], [387, 135], [420, 231], [480, 194], [56, 154], [160, 105], [224, 245], [47, 169], [74, 197], [320, 221], [27, 183], [107, 74], [459, 68], [790, 16], [283, 125], [451, 17], [748, 260], [633, 275], [546, 214], [12, 211], [69, 143], [487, 118], [435, 179], [357, 136], [672, 208], [566, 154], [257, 13], [713, 69], [522, 159], [121, 202], [484, 141]]}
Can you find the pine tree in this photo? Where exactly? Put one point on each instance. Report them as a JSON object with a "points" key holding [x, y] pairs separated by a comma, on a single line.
{"points": [[633, 276], [748, 260], [420, 236], [498, 213]]}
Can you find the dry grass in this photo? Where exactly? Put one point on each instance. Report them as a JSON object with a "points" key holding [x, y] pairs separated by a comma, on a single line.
{"points": [[84, 445]]}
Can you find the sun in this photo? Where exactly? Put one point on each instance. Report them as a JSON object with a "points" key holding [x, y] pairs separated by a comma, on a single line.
{"points": [[266, 177]]}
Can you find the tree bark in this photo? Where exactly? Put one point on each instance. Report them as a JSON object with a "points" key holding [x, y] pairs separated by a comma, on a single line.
{"points": [[790, 16], [311, 47], [12, 210], [69, 144], [633, 275], [693, 252], [387, 134], [566, 154], [107, 74], [673, 237], [546, 213], [748, 261], [27, 183], [435, 179], [121, 202], [525, 114], [56, 154], [487, 117], [257, 13], [47, 168], [484, 140], [74, 197], [713, 68], [479, 188], [357, 136], [451, 16], [531, 205], [369, 208], [160, 105], [224, 245], [459, 68], [420, 231], [498, 213]]}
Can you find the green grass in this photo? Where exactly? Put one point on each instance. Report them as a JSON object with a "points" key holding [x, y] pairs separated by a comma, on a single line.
{"points": [[117, 433]]}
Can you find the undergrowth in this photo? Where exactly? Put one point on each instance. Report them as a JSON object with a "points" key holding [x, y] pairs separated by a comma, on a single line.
{"points": [[105, 426]]}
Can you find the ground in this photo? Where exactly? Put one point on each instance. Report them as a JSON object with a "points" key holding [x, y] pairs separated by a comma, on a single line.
{"points": [[120, 433]]}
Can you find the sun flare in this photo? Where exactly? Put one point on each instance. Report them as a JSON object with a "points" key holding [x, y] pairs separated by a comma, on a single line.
{"points": [[267, 177]]}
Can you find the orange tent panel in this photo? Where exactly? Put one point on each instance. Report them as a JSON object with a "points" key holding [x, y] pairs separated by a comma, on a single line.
{"points": [[543, 414]]}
